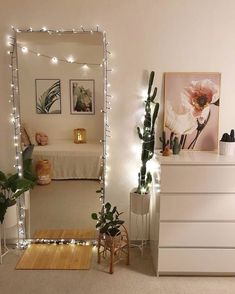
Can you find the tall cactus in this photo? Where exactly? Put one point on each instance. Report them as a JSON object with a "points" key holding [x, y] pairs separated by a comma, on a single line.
{"points": [[147, 136]]}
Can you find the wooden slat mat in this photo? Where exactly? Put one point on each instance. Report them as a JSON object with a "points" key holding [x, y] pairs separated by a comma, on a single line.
{"points": [[66, 234], [56, 257]]}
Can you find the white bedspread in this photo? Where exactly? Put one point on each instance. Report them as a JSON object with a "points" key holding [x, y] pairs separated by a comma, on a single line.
{"points": [[70, 160]]}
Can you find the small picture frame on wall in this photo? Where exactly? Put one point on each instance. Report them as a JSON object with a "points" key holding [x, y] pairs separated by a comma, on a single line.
{"points": [[191, 112], [48, 96], [82, 96]]}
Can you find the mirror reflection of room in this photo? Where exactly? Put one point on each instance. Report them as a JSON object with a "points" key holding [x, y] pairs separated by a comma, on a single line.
{"points": [[61, 95]]}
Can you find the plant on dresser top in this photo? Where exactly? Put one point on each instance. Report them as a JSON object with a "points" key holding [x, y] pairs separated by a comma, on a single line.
{"points": [[172, 145], [147, 136], [227, 144]]}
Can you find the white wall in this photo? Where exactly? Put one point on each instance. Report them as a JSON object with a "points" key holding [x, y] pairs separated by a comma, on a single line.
{"points": [[160, 35]]}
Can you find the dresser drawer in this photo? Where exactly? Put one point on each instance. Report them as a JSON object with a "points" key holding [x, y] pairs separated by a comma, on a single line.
{"points": [[197, 178], [196, 261], [202, 207], [197, 234]]}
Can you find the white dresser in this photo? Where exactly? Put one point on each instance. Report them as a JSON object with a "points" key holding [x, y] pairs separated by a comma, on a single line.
{"points": [[197, 214]]}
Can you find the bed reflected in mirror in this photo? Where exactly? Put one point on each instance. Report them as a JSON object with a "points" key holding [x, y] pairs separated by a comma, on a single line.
{"points": [[61, 94]]}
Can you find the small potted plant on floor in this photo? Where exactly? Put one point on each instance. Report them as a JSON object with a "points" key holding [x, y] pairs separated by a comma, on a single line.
{"points": [[108, 223], [113, 237], [140, 196]]}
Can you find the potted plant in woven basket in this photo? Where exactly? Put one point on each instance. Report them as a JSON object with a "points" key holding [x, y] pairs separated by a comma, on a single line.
{"points": [[108, 223], [140, 196]]}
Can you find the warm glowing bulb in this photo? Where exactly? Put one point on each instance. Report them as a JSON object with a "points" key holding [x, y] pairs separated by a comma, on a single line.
{"points": [[54, 60], [85, 66], [70, 60], [44, 29], [24, 49], [38, 54]]}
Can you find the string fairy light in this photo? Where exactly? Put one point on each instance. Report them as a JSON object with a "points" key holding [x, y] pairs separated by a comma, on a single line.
{"points": [[54, 59], [15, 117]]}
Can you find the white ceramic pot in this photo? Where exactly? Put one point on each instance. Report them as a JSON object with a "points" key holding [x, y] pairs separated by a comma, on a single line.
{"points": [[10, 219], [139, 203], [227, 148]]}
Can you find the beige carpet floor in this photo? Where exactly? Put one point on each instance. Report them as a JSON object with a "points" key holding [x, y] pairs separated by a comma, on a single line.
{"points": [[138, 278], [64, 205]]}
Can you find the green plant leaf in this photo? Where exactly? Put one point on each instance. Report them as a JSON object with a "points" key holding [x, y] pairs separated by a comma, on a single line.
{"points": [[94, 216], [3, 177], [114, 209], [109, 216], [108, 206], [105, 228]]}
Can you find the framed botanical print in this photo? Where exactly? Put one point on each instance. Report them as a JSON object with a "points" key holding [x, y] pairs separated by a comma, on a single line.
{"points": [[192, 109], [82, 96], [48, 96]]}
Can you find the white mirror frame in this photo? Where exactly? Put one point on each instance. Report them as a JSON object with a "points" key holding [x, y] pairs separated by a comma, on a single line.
{"points": [[16, 121]]}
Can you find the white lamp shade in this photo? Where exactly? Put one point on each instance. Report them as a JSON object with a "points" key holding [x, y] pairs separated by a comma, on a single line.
{"points": [[10, 219]]}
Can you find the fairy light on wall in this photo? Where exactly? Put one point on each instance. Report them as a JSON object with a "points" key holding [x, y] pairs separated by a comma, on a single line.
{"points": [[24, 49], [15, 120], [15, 115], [54, 59]]}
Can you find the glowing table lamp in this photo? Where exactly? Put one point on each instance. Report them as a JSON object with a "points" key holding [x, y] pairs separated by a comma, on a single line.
{"points": [[79, 136]]}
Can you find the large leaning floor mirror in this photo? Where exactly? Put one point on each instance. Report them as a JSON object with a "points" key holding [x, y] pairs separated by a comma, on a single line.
{"points": [[61, 84]]}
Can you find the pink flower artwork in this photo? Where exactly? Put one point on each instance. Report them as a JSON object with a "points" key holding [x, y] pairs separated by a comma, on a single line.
{"points": [[192, 109]]}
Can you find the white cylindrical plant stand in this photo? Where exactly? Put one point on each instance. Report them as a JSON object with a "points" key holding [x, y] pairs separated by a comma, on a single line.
{"points": [[10, 219], [140, 206]]}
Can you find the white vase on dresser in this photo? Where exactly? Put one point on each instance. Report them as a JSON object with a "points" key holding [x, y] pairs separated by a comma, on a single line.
{"points": [[197, 214]]}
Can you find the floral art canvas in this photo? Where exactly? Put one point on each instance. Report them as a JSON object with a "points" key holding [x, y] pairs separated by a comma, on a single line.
{"points": [[192, 109]]}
